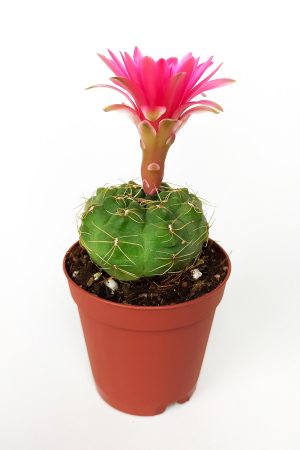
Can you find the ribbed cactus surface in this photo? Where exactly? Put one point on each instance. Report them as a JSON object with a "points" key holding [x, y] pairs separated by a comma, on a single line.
{"points": [[131, 235]]}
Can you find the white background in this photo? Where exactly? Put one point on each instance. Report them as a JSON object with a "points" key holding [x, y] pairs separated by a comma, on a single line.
{"points": [[57, 146]]}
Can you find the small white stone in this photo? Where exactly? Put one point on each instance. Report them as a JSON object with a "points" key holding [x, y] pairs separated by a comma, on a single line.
{"points": [[75, 273], [196, 274], [97, 275], [111, 284]]}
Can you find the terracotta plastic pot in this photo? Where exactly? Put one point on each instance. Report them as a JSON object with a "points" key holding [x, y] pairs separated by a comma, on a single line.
{"points": [[146, 358]]}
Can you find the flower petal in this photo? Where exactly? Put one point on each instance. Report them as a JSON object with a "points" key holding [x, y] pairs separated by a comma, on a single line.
{"points": [[131, 67], [198, 88], [166, 129], [125, 108], [112, 65], [137, 55], [118, 63], [181, 109], [209, 103], [117, 107], [186, 66], [133, 88], [172, 63], [211, 74], [197, 109], [171, 93], [153, 114], [148, 73], [115, 89], [192, 77], [219, 82], [162, 78], [147, 133], [197, 74]]}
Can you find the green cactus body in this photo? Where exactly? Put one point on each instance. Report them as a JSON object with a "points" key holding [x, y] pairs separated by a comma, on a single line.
{"points": [[131, 235]]}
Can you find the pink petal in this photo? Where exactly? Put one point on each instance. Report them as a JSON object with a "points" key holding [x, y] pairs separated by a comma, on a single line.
{"points": [[201, 69], [124, 108], [131, 67], [153, 114], [209, 103], [118, 63], [197, 109], [121, 107], [132, 87], [198, 88], [212, 84], [112, 65], [148, 73], [115, 89], [162, 78], [137, 55], [186, 66], [172, 63], [198, 72], [193, 76], [185, 60], [180, 110], [211, 74], [172, 90], [118, 107]]}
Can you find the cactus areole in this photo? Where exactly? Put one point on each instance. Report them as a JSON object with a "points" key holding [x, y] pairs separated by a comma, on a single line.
{"points": [[161, 96], [132, 235]]}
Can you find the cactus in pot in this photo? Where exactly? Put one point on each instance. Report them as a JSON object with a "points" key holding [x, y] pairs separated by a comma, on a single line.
{"points": [[147, 315], [134, 231]]}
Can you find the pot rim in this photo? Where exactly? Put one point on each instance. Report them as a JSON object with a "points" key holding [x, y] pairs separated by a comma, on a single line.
{"points": [[186, 304]]}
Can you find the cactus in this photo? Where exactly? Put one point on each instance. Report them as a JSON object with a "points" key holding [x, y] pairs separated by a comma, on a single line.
{"points": [[132, 235], [134, 231]]}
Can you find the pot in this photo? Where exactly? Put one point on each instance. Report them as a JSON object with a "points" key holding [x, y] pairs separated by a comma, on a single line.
{"points": [[146, 358]]}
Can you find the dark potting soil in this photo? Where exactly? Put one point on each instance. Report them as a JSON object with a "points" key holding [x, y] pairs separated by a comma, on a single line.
{"points": [[161, 290]]}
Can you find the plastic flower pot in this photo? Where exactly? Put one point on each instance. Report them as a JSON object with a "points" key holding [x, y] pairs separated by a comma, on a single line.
{"points": [[146, 358]]}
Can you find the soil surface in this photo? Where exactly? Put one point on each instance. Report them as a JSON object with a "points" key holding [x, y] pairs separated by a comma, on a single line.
{"points": [[210, 268]]}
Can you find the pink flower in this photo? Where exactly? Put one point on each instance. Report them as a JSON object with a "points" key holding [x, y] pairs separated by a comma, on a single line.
{"points": [[161, 96]]}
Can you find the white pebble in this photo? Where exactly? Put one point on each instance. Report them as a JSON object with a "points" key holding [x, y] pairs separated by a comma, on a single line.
{"points": [[196, 274], [97, 275], [75, 273], [111, 284]]}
